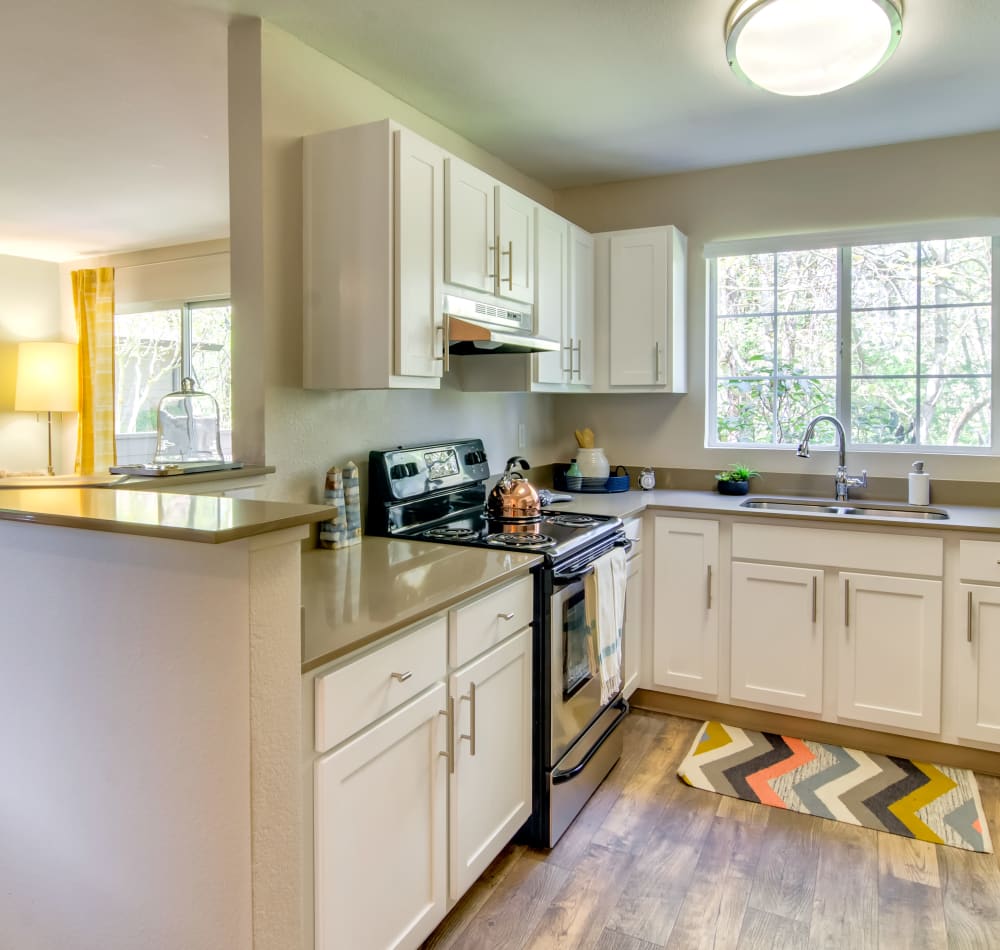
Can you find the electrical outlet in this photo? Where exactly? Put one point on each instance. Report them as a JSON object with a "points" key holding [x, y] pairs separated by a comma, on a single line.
{"points": [[521, 437]]}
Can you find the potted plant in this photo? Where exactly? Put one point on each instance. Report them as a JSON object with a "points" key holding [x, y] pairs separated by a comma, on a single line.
{"points": [[736, 480]]}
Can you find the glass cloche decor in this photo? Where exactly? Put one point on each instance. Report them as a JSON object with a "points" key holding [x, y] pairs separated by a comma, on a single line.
{"points": [[187, 428]]}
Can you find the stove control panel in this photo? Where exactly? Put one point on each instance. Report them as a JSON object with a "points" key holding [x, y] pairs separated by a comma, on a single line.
{"points": [[413, 471]]}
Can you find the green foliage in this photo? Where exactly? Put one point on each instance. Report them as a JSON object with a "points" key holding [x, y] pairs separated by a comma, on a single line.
{"points": [[737, 473]]}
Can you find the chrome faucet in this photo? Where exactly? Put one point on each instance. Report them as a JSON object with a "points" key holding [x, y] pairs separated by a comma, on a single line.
{"points": [[842, 480]]}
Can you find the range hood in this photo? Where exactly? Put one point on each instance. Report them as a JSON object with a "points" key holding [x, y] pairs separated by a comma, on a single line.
{"points": [[482, 328]]}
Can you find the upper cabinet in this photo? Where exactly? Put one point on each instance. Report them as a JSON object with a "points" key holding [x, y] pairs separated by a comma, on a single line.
{"points": [[489, 234], [552, 290], [373, 251], [641, 307]]}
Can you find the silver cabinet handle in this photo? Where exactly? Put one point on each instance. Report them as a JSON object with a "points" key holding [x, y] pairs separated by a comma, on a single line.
{"points": [[495, 251], [570, 348], [847, 601], [657, 376], [472, 719], [814, 598], [708, 587], [579, 360], [401, 677], [510, 264], [507, 616], [444, 344], [449, 752], [968, 626]]}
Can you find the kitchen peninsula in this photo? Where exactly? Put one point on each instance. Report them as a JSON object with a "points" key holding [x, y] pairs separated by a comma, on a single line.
{"points": [[149, 663]]}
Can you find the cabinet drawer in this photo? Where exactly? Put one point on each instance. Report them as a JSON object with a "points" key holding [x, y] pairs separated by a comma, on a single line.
{"points": [[359, 692], [483, 623], [849, 550], [979, 561]]}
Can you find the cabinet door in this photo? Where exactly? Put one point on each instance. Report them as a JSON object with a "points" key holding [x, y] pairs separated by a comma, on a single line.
{"points": [[381, 832], [889, 672], [491, 784], [685, 611], [979, 663], [551, 294], [638, 311], [469, 226], [419, 235], [777, 636], [632, 627], [581, 305], [515, 217]]}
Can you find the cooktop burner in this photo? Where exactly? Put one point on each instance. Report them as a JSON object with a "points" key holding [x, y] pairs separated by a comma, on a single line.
{"points": [[451, 534], [513, 539], [569, 521]]}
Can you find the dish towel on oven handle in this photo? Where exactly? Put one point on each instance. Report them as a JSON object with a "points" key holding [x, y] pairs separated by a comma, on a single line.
{"points": [[605, 589]]}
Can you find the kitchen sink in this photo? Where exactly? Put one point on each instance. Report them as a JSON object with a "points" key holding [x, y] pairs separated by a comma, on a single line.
{"points": [[870, 510]]}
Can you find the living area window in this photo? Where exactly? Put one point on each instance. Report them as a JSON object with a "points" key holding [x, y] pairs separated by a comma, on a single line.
{"points": [[154, 350], [893, 336]]}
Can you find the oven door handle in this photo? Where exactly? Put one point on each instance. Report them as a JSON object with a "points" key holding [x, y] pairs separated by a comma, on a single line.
{"points": [[573, 577], [558, 776]]}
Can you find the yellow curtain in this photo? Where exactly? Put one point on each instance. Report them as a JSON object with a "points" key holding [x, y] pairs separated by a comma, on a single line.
{"points": [[94, 300]]}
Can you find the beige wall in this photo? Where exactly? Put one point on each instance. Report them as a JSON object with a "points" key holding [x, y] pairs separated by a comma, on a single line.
{"points": [[280, 90], [940, 179]]}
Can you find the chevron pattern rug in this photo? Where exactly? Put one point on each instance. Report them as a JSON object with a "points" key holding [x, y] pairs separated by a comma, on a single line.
{"points": [[929, 802]]}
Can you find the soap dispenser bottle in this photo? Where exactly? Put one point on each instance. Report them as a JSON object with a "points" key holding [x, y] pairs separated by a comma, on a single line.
{"points": [[920, 485]]}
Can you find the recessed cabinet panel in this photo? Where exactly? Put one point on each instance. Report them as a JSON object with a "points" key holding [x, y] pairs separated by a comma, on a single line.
{"points": [[515, 221], [889, 670], [638, 288], [978, 632], [470, 226], [777, 636], [581, 306], [552, 295], [685, 592]]}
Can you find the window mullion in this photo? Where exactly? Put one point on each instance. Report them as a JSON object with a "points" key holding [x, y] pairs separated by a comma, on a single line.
{"points": [[186, 340], [843, 395], [712, 396], [994, 343], [774, 350]]}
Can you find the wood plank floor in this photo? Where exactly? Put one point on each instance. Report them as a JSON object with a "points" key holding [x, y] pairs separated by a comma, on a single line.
{"points": [[651, 863]]}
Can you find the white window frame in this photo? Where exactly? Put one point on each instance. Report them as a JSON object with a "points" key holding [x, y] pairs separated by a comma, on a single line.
{"points": [[843, 241]]}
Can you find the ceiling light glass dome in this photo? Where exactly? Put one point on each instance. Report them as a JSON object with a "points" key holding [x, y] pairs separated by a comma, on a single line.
{"points": [[810, 47]]}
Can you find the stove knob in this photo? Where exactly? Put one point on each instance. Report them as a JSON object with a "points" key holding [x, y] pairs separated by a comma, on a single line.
{"points": [[411, 468], [397, 471]]}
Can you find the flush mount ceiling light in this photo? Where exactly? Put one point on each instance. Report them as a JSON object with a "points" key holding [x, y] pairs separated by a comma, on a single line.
{"points": [[808, 47]]}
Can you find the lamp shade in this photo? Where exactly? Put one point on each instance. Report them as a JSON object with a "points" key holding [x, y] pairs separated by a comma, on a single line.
{"points": [[46, 378], [810, 47]]}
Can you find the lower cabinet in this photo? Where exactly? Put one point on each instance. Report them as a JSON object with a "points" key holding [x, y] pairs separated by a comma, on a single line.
{"points": [[777, 636], [978, 661], [685, 604], [381, 834], [889, 669], [491, 782]]}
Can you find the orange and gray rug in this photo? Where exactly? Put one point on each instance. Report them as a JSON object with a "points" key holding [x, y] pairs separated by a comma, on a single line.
{"points": [[914, 799]]}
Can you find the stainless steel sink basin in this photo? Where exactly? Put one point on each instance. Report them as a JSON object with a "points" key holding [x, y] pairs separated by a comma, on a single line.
{"points": [[866, 509]]}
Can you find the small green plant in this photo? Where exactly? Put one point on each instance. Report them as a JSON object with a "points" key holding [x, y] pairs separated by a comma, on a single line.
{"points": [[737, 473]]}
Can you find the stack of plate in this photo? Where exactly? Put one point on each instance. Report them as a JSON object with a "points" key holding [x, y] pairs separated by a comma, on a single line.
{"points": [[593, 484], [573, 482]]}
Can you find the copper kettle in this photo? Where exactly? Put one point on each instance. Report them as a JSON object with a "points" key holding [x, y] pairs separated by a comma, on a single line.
{"points": [[514, 498]]}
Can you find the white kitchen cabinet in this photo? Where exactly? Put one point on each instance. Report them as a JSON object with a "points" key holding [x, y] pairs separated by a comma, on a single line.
{"points": [[889, 651], [978, 662], [580, 317], [381, 837], [552, 296], [491, 783], [777, 636], [470, 234], [373, 248], [633, 622], [685, 604], [489, 234], [643, 328]]}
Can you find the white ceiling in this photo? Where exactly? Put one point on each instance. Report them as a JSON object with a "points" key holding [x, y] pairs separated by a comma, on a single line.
{"points": [[114, 110]]}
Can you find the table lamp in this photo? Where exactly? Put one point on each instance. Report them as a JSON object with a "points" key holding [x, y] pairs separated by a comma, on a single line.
{"points": [[46, 381]]}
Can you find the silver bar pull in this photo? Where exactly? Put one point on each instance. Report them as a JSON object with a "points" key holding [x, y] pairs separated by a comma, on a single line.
{"points": [[444, 344], [847, 601], [814, 598], [507, 616], [495, 251], [401, 677], [657, 376], [510, 264], [563, 368], [579, 360], [708, 587], [472, 719], [968, 626], [449, 714]]}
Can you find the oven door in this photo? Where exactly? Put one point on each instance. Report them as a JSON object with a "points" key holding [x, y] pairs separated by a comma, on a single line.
{"points": [[576, 683]]}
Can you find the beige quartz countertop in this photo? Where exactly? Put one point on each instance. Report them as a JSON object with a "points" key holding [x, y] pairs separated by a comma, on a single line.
{"points": [[631, 503], [354, 596], [153, 482], [203, 518]]}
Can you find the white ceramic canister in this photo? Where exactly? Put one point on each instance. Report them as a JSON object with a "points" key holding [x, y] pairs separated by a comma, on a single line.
{"points": [[593, 463]]}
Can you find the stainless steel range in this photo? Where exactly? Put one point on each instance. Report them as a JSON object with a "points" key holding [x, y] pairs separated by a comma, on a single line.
{"points": [[438, 493]]}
